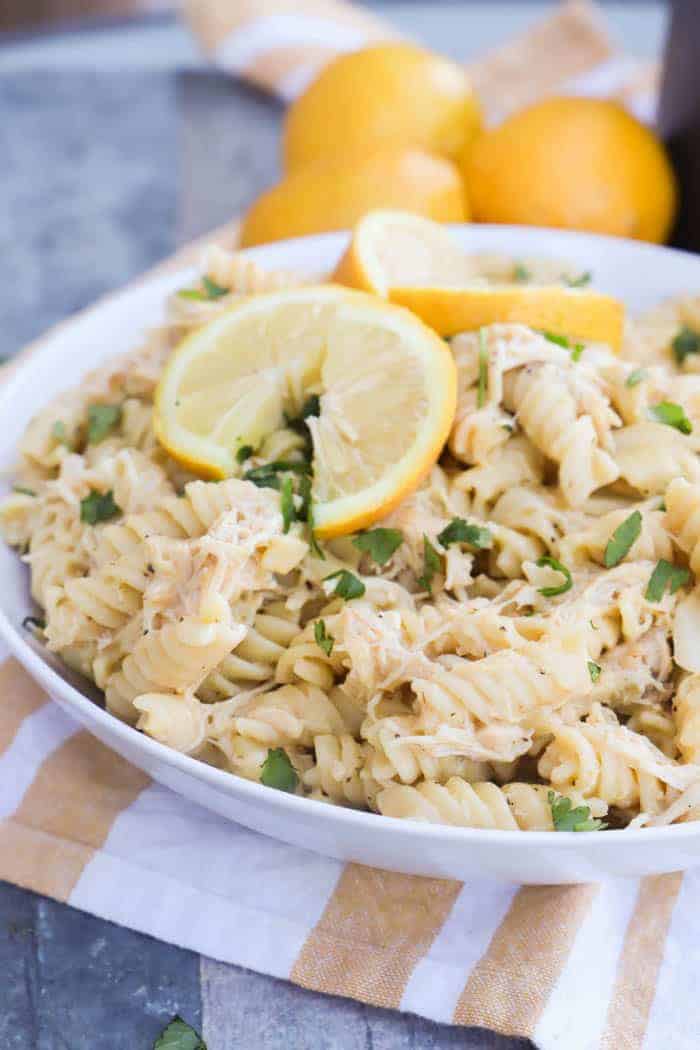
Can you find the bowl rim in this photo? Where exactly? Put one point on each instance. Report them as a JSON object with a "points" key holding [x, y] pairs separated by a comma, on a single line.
{"points": [[229, 784]]}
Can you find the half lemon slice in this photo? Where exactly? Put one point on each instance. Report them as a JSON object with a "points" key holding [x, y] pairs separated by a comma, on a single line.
{"points": [[386, 385]]}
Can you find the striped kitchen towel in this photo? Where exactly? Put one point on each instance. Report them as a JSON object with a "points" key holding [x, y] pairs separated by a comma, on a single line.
{"points": [[280, 45], [608, 966]]}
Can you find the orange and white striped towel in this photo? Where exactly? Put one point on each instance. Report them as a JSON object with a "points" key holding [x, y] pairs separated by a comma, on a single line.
{"points": [[280, 45], [608, 966]]}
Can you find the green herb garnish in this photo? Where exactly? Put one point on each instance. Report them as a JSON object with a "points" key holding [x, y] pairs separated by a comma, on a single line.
{"points": [[304, 492], [178, 1035], [266, 475], [521, 274], [672, 415], [313, 542], [23, 490], [102, 419], [348, 585], [210, 290], [244, 453], [594, 671], [98, 506], [287, 503], [581, 281], [59, 432], [278, 772], [622, 540], [575, 349], [323, 640], [666, 574], [483, 369], [311, 407], [380, 544], [636, 377], [552, 563], [460, 531], [686, 342], [432, 563], [567, 817]]}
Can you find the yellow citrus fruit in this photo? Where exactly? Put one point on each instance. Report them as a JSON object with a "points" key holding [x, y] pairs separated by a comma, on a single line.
{"points": [[386, 385], [578, 163], [577, 313], [325, 197], [387, 95], [395, 248]]}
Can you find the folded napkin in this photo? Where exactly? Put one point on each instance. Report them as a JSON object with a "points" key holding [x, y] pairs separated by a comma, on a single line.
{"points": [[280, 45]]}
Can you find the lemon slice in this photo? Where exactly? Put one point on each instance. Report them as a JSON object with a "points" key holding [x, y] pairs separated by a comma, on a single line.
{"points": [[577, 313], [386, 386], [396, 248]]}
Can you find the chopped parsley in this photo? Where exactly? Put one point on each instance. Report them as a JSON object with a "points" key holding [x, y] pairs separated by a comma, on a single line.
{"points": [[553, 563], [672, 415], [636, 377], [178, 1035], [686, 342], [59, 432], [521, 274], [460, 531], [483, 369], [266, 475], [665, 575], [323, 640], [277, 771], [622, 540], [575, 349], [311, 407], [209, 291], [432, 563], [304, 492], [287, 503], [567, 817], [102, 419], [23, 491], [98, 506], [244, 453], [348, 585], [380, 544], [581, 281], [594, 670]]}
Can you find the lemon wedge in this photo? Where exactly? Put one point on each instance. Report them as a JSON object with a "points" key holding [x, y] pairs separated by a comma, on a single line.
{"points": [[386, 385], [577, 313], [395, 248]]}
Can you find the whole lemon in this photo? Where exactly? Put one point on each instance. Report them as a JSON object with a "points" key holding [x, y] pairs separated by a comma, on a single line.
{"points": [[579, 163], [390, 94], [328, 196]]}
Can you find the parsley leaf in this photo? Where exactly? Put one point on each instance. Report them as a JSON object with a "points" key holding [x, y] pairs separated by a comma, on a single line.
{"points": [[521, 274], [672, 415], [483, 369], [311, 407], [98, 506], [594, 671], [636, 377], [102, 419], [665, 573], [287, 503], [552, 563], [686, 342], [622, 540], [348, 585], [460, 531], [581, 281], [432, 563], [380, 544], [265, 476], [277, 771], [178, 1035], [566, 817], [304, 491], [59, 432], [323, 640], [244, 453], [23, 490]]}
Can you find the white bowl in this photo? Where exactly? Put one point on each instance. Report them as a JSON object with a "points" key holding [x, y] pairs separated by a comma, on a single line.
{"points": [[641, 275]]}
